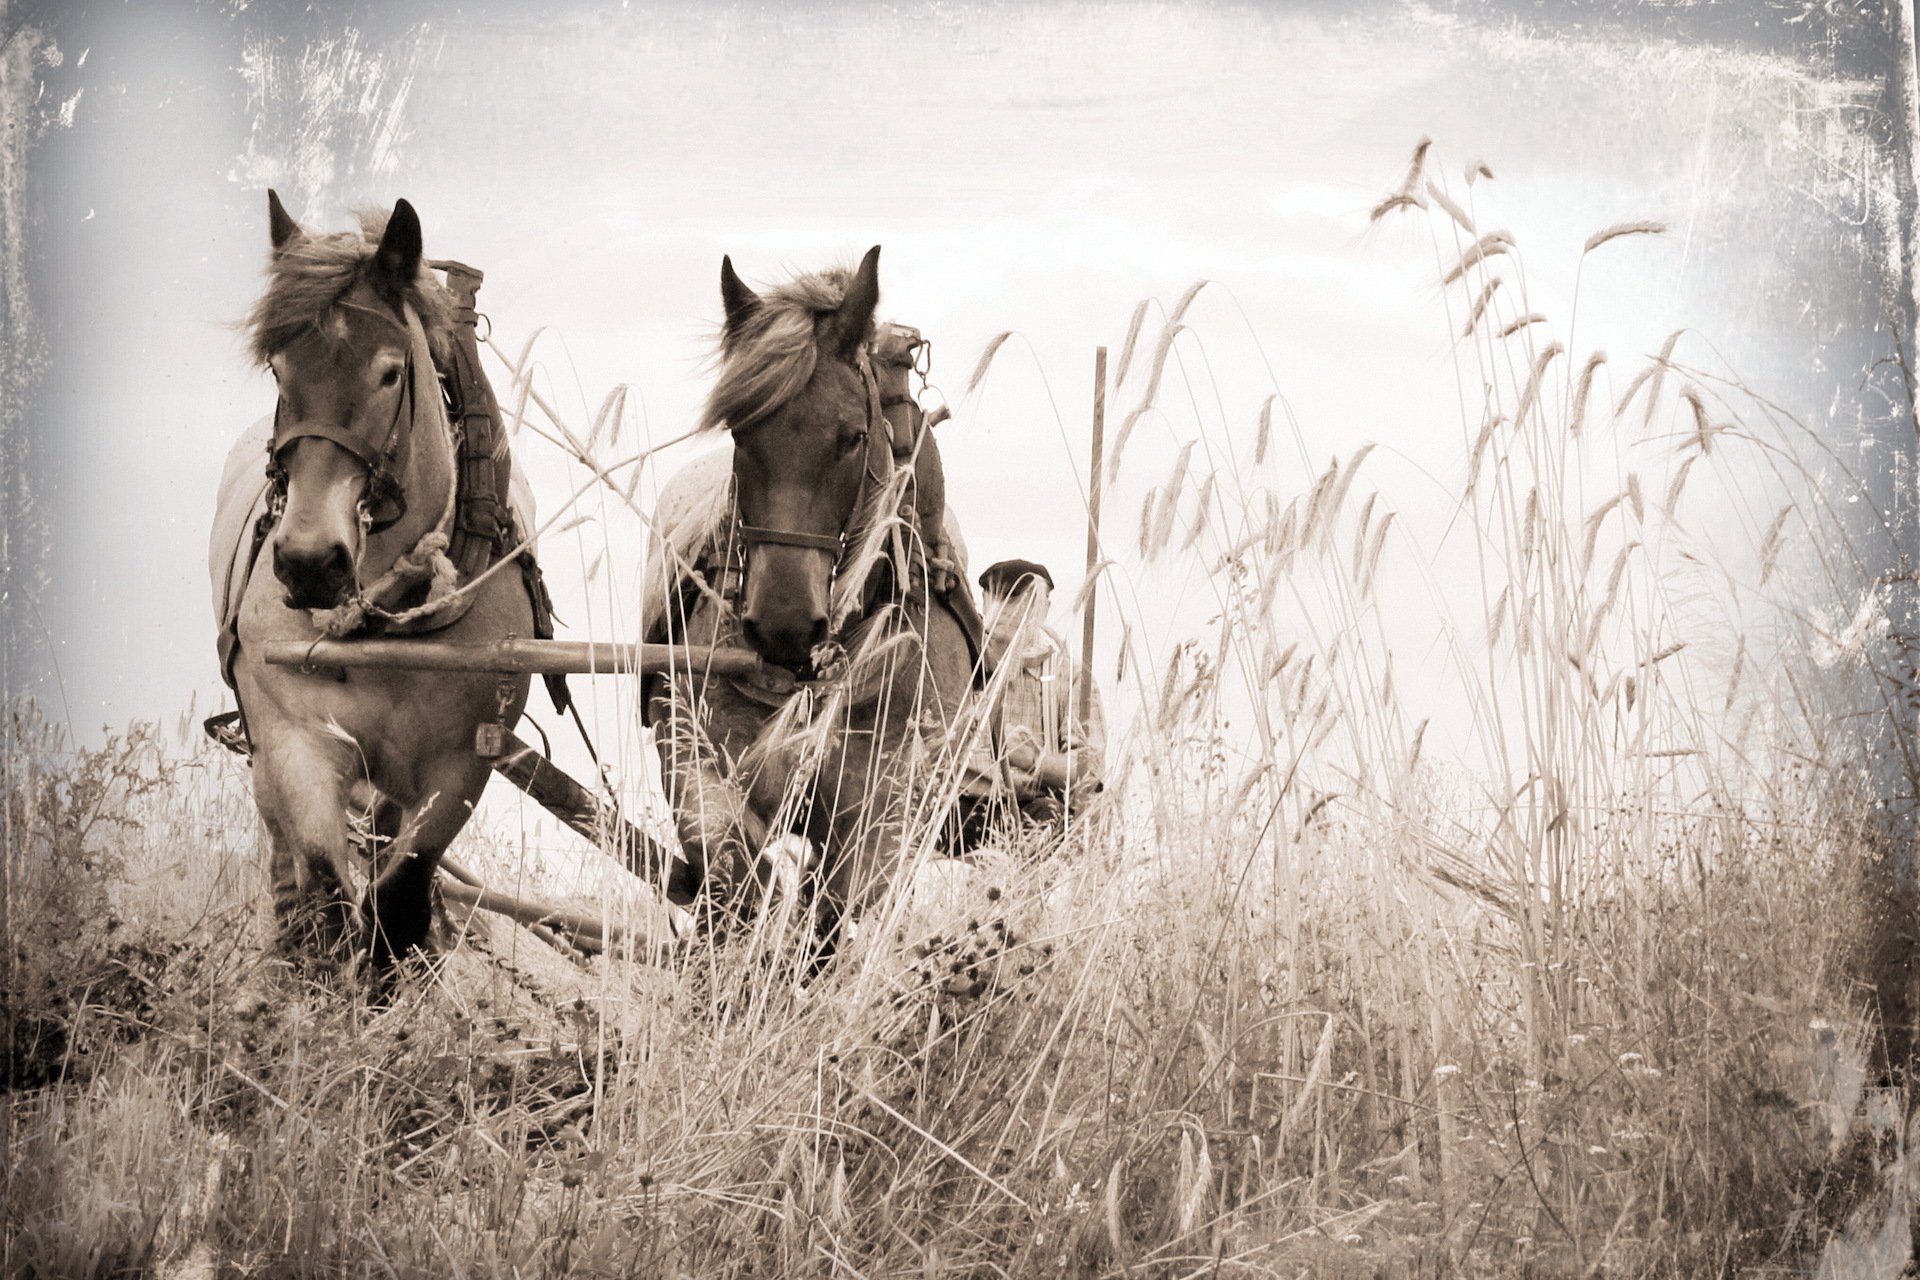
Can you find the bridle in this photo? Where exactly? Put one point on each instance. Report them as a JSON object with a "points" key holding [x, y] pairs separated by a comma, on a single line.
{"points": [[751, 535], [385, 502]]}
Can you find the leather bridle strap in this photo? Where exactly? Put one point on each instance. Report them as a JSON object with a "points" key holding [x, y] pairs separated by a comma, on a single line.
{"points": [[369, 457], [386, 500], [752, 534]]}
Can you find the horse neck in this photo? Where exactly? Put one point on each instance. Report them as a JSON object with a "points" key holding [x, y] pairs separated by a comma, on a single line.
{"points": [[428, 479], [881, 504]]}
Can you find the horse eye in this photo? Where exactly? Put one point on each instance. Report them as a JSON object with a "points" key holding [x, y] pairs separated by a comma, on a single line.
{"points": [[390, 378], [853, 442]]}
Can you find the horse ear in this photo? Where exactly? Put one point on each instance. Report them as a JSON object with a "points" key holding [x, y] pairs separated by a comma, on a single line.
{"points": [[853, 322], [740, 301], [398, 256], [280, 224]]}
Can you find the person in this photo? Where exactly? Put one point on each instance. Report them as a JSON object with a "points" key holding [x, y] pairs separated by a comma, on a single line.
{"points": [[1039, 753]]}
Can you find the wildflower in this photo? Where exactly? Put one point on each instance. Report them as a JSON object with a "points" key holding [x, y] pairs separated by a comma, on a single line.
{"points": [[1629, 1058], [1576, 1038], [1446, 1069], [1596, 1151]]}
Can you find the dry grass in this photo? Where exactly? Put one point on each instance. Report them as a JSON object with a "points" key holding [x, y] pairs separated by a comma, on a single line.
{"points": [[1309, 1001]]}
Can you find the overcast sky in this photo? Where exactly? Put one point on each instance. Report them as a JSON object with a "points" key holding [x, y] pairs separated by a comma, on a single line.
{"points": [[1038, 168]]}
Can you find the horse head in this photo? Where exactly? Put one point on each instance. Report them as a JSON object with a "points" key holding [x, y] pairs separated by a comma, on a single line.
{"points": [[334, 327], [798, 396]]}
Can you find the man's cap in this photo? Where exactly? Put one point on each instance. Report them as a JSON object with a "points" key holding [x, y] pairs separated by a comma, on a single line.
{"points": [[1005, 575]]}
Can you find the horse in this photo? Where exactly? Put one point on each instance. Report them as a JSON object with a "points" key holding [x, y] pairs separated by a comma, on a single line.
{"points": [[804, 544], [363, 470]]}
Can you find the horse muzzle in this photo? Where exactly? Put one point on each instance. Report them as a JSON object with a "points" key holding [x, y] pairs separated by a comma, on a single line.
{"points": [[785, 641], [318, 577]]}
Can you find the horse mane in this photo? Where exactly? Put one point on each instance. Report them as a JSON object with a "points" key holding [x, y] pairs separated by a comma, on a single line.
{"points": [[311, 276], [769, 357]]}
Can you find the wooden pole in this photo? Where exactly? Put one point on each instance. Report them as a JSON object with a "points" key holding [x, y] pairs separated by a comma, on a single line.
{"points": [[566, 925], [1093, 527], [595, 820], [514, 656]]}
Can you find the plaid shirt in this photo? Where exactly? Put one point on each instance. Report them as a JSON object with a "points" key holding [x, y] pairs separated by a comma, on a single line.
{"points": [[1039, 696]]}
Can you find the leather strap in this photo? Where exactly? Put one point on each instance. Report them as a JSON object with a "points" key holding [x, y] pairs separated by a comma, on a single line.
{"points": [[752, 534]]}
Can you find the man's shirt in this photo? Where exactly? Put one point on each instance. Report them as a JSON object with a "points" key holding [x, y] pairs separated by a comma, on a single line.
{"points": [[1039, 697]]}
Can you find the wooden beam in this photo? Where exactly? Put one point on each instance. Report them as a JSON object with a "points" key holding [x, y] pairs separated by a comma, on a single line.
{"points": [[598, 822], [513, 656]]}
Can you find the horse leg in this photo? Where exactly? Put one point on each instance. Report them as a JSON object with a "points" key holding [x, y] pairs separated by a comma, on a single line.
{"points": [[300, 785], [718, 828], [866, 827], [398, 907]]}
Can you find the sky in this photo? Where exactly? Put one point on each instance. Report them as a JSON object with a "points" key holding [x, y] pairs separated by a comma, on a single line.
{"points": [[1034, 168]]}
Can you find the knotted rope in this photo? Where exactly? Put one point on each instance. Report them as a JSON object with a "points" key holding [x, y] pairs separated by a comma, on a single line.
{"points": [[427, 562]]}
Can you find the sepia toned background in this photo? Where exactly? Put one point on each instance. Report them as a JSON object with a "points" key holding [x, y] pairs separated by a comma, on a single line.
{"points": [[1511, 873], [1035, 168]]}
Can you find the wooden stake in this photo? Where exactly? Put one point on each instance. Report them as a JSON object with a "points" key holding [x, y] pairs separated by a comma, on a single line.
{"points": [[1093, 528]]}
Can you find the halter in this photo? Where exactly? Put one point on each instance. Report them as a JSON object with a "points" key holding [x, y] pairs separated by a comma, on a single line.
{"points": [[753, 535], [385, 502]]}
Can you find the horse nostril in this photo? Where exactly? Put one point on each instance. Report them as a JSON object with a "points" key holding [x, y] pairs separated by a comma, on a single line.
{"points": [[314, 580], [818, 634], [751, 630], [338, 566]]}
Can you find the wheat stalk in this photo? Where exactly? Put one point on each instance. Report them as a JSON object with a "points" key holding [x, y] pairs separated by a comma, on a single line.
{"points": [[1584, 389], [1619, 229], [1133, 337], [1480, 305], [986, 359], [1491, 245], [1454, 211]]}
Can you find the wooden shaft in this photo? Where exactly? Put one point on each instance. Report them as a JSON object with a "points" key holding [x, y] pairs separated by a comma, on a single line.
{"points": [[459, 873], [596, 820], [567, 925], [1093, 528], [512, 656]]}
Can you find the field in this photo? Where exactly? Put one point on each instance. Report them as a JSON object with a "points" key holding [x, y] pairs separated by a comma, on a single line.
{"points": [[1623, 987]]}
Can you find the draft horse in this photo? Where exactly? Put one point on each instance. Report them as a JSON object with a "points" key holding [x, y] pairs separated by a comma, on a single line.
{"points": [[364, 468], [815, 557]]}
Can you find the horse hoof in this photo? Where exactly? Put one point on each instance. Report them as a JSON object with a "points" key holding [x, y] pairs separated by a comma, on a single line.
{"points": [[316, 931], [395, 931]]}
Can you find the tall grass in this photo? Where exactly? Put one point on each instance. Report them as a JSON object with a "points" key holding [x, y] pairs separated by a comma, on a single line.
{"points": [[1573, 985]]}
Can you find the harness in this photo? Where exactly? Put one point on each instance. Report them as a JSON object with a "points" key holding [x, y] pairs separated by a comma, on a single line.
{"points": [[719, 569], [732, 550], [900, 346], [753, 535], [478, 529], [385, 502]]}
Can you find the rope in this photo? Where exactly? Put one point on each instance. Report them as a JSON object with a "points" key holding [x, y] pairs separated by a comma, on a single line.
{"points": [[428, 561]]}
